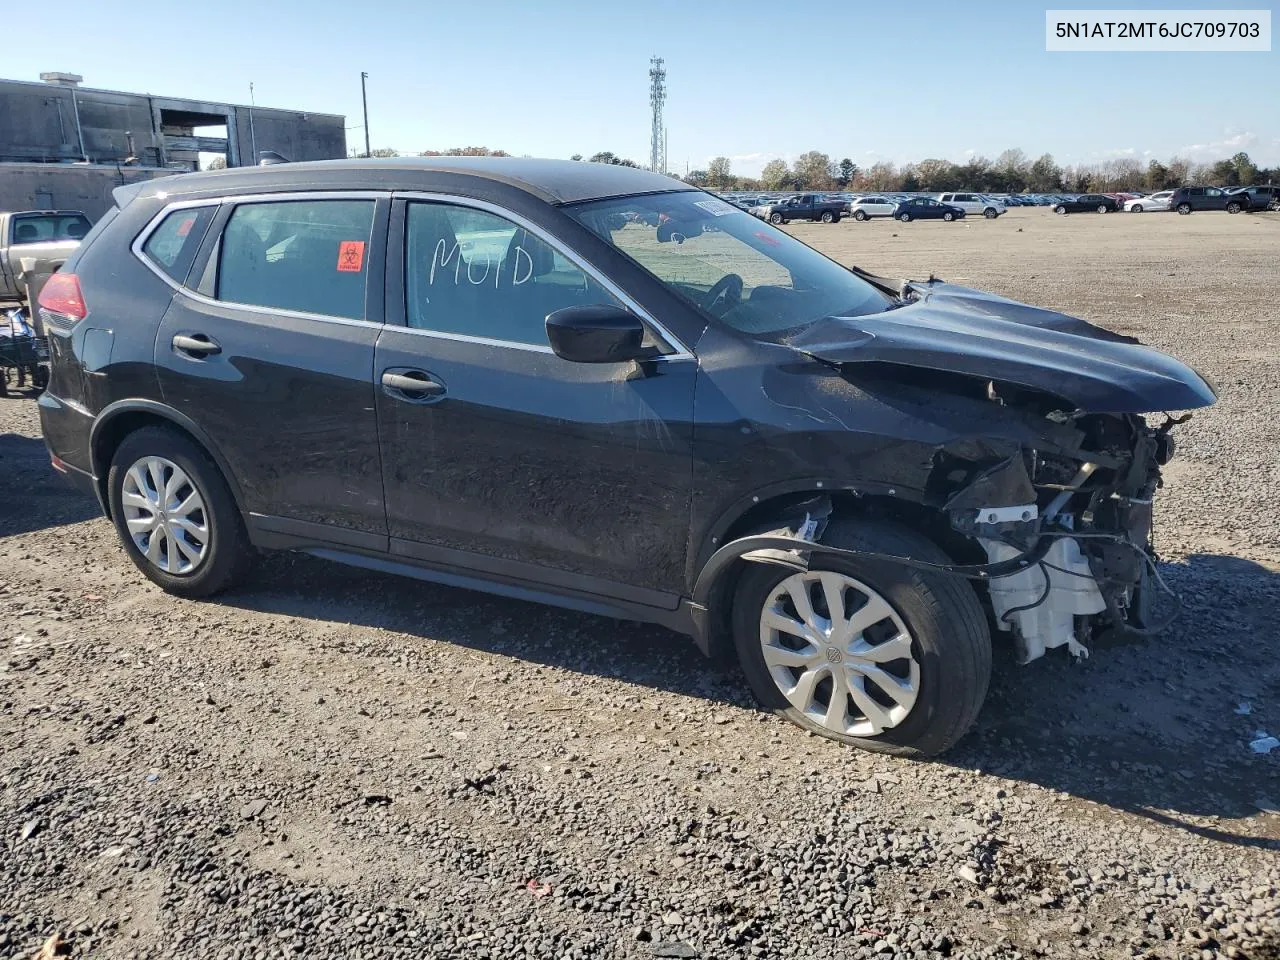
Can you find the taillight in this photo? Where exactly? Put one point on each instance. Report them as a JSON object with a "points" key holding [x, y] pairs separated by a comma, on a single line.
{"points": [[61, 297]]}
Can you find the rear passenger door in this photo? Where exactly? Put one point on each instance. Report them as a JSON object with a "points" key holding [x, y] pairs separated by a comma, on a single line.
{"points": [[268, 346]]}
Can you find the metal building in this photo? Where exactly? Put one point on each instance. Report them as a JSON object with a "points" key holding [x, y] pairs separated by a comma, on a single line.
{"points": [[64, 146]]}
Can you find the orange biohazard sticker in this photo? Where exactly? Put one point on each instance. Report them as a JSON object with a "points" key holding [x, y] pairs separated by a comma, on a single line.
{"points": [[185, 226], [351, 256]]}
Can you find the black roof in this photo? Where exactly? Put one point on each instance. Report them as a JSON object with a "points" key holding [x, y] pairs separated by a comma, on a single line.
{"points": [[553, 181]]}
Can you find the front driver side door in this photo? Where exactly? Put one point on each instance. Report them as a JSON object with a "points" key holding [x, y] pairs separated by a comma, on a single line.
{"points": [[509, 459]]}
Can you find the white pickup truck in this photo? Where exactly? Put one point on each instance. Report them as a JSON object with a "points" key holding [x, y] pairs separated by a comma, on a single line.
{"points": [[44, 238]]}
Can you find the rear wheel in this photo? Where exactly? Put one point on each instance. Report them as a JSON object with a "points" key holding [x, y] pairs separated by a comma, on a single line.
{"points": [[1184, 208], [876, 655], [175, 514]]}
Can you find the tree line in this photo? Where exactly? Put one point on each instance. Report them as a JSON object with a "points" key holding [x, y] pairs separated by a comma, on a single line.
{"points": [[1011, 172]]}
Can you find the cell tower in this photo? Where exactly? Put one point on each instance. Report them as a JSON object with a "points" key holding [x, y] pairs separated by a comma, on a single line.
{"points": [[657, 97]]}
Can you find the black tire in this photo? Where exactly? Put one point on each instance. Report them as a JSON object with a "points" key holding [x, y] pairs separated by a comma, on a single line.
{"points": [[1234, 207], [230, 554], [904, 217], [1136, 208], [775, 218], [991, 213], [1184, 208], [1060, 209], [948, 216], [860, 215], [828, 216], [952, 642], [40, 377]]}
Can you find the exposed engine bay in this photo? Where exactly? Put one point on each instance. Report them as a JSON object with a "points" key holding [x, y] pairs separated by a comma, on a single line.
{"points": [[1088, 531]]}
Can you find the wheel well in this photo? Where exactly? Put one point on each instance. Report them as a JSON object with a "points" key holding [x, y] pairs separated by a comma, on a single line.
{"points": [[925, 520], [112, 433]]}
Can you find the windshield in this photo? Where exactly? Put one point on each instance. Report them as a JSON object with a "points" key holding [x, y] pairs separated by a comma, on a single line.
{"points": [[743, 272]]}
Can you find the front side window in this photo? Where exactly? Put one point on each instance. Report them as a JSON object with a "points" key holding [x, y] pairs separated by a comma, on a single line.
{"points": [[477, 274], [304, 255], [173, 244], [47, 228], [752, 277]]}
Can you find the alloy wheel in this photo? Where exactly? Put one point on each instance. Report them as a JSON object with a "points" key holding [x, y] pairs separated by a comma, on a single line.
{"points": [[839, 653], [165, 515]]}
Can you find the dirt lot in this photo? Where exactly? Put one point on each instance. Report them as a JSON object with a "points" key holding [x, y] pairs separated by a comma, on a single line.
{"points": [[334, 763]]}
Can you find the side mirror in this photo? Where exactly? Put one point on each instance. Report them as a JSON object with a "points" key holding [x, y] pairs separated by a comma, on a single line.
{"points": [[596, 333]]}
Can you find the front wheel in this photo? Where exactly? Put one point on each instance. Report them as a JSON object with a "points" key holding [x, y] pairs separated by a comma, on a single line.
{"points": [[175, 514], [1060, 209], [1184, 208], [904, 217], [1103, 208], [1136, 208], [1234, 207], [991, 213], [860, 215], [948, 216], [876, 655], [775, 218], [828, 216]]}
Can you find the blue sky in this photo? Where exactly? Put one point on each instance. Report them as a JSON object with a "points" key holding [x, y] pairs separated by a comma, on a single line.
{"points": [[748, 80]]}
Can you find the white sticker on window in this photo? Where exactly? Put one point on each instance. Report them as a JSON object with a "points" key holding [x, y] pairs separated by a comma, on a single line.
{"points": [[717, 208]]}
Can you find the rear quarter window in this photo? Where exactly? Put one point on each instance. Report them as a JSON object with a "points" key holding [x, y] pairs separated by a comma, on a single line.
{"points": [[172, 245]]}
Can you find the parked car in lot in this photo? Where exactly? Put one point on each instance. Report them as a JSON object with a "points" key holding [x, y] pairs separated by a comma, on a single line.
{"points": [[1088, 203], [974, 203], [805, 206], [864, 208], [496, 373], [1187, 199], [47, 235], [926, 208], [1155, 202], [1258, 198]]}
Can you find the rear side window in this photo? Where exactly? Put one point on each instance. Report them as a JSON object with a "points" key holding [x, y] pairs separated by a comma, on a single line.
{"points": [[173, 244], [48, 227], [304, 255]]}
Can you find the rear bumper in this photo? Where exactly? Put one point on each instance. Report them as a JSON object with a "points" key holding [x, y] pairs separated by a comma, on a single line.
{"points": [[66, 428]]}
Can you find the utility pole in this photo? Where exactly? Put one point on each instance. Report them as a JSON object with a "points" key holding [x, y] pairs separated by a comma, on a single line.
{"points": [[253, 137], [364, 98]]}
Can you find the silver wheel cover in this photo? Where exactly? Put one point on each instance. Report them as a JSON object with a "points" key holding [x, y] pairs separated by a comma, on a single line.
{"points": [[839, 653], [165, 515]]}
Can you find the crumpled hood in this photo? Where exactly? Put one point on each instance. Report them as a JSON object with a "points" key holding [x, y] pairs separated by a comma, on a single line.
{"points": [[967, 331]]}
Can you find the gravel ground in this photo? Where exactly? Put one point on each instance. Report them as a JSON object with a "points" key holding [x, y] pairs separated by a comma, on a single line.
{"points": [[333, 763]]}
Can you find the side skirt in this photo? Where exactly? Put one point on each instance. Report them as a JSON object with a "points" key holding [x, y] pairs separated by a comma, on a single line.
{"points": [[389, 555]]}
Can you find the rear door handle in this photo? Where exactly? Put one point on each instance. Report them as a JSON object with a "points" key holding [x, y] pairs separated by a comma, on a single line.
{"points": [[413, 385], [196, 344]]}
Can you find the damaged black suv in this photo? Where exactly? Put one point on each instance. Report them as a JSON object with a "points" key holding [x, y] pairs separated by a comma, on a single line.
{"points": [[592, 386]]}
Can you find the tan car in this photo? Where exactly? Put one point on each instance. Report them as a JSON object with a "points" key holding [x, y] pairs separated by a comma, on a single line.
{"points": [[42, 238]]}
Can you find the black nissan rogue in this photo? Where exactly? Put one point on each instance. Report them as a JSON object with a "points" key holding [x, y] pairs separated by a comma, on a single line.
{"points": [[596, 387]]}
